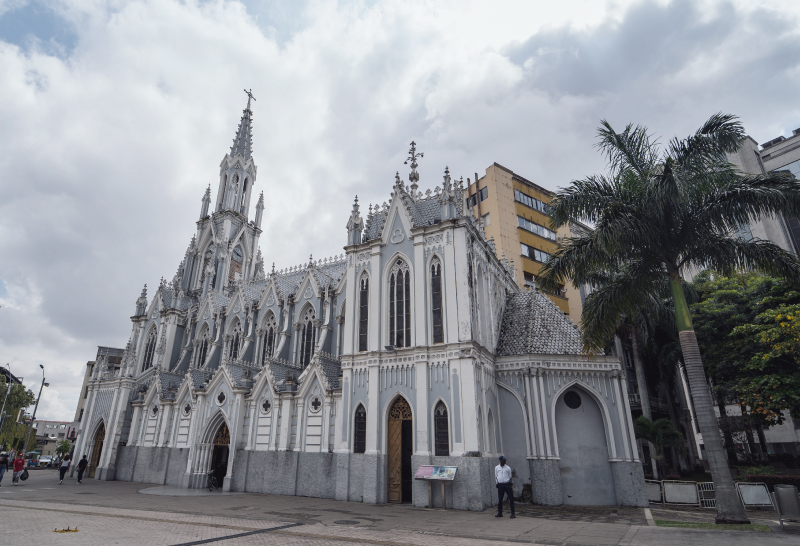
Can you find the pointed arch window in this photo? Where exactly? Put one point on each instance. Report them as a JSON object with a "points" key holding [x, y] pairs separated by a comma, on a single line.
{"points": [[436, 301], [399, 305], [235, 342], [360, 430], [441, 434], [363, 313], [203, 351], [149, 350], [243, 201], [307, 336], [206, 261], [270, 335], [237, 258]]}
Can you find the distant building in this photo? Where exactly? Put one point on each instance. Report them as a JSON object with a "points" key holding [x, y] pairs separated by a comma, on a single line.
{"points": [[514, 212], [50, 433]]}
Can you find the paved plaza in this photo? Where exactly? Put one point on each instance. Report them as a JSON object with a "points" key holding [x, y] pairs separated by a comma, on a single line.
{"points": [[137, 514]]}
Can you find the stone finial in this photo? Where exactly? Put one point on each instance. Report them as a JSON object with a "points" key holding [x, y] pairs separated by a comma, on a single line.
{"points": [[413, 155]]}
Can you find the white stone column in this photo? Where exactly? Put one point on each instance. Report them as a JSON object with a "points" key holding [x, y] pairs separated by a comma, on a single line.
{"points": [[166, 419], [300, 441], [469, 403], [631, 436], [134, 430], [341, 438], [374, 341], [532, 451], [545, 419], [286, 422], [373, 412], [422, 410], [326, 424]]}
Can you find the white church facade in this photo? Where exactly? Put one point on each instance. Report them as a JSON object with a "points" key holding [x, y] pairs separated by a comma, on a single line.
{"points": [[339, 378]]}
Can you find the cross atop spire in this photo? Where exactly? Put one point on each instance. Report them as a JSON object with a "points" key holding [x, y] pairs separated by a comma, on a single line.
{"points": [[413, 155], [249, 97], [243, 142]]}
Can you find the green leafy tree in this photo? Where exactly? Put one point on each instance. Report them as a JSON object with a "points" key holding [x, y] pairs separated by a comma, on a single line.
{"points": [[659, 212], [63, 447], [12, 433], [771, 383], [725, 322]]}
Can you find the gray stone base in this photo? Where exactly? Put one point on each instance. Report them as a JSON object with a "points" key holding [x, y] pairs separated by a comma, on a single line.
{"points": [[158, 465], [546, 482], [629, 483], [105, 474]]}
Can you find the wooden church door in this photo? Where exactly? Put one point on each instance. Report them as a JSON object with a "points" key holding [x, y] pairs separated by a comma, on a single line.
{"points": [[97, 450], [399, 450]]}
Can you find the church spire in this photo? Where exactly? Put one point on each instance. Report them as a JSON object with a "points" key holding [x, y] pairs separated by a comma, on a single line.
{"points": [[243, 143]]}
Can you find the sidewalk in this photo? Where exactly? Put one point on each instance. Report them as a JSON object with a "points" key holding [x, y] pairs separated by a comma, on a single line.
{"points": [[118, 510]]}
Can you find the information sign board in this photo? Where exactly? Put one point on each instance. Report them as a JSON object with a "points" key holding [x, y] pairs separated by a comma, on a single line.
{"points": [[440, 473]]}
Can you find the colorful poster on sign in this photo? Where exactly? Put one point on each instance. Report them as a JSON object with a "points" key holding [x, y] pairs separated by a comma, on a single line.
{"points": [[444, 472], [436, 473]]}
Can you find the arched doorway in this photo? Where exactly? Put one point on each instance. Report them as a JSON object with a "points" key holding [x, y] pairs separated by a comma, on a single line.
{"points": [[97, 450], [219, 457], [400, 448], [586, 477]]}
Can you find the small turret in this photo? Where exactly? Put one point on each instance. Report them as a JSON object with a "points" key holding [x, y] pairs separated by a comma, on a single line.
{"points": [[141, 303], [446, 197], [206, 203], [355, 225], [259, 210]]}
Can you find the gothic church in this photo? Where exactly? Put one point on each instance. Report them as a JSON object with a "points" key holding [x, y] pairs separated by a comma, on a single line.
{"points": [[340, 377]]}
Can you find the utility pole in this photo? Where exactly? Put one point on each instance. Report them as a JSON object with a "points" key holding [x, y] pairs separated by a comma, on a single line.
{"points": [[33, 417]]}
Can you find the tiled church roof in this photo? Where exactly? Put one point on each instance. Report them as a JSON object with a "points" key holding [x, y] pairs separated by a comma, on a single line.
{"points": [[532, 324]]}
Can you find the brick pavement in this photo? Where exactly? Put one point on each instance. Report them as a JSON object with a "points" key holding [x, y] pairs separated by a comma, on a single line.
{"points": [[116, 513]]}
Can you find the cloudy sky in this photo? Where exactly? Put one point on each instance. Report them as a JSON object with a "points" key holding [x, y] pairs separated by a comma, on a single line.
{"points": [[114, 117]]}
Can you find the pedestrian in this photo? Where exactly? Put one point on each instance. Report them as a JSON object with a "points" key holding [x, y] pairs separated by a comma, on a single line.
{"points": [[19, 466], [82, 464], [63, 468], [502, 477], [3, 466]]}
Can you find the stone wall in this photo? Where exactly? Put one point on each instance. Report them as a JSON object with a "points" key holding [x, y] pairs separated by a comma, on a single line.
{"points": [[158, 465]]}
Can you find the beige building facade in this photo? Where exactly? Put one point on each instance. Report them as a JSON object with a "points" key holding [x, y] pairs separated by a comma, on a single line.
{"points": [[514, 214]]}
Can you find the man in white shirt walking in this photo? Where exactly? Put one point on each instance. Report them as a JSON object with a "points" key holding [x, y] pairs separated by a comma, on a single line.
{"points": [[502, 476]]}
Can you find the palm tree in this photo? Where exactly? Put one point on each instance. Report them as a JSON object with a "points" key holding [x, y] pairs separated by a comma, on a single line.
{"points": [[661, 212], [660, 433]]}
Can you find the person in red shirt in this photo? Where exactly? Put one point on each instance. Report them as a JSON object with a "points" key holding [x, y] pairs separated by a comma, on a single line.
{"points": [[19, 466]]}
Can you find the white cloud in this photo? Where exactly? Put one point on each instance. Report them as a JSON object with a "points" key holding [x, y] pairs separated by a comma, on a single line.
{"points": [[108, 147]]}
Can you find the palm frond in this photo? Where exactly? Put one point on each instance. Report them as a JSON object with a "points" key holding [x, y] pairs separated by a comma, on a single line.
{"points": [[727, 254]]}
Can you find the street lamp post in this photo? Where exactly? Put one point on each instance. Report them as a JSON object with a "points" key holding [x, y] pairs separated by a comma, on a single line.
{"points": [[33, 418]]}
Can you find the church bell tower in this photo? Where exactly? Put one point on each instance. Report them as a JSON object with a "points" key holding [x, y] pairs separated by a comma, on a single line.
{"points": [[237, 170]]}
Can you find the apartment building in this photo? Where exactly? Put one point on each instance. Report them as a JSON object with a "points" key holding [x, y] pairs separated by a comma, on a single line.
{"points": [[514, 211]]}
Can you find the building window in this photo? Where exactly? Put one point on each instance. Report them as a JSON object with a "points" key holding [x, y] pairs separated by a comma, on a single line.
{"points": [[531, 202], [307, 335], [436, 301], [399, 305], [471, 201], [483, 194], [270, 334], [236, 263], [360, 430], [85, 392], [487, 221], [203, 354], [235, 343], [363, 314], [541, 231], [80, 417], [534, 253], [440, 431], [149, 350]]}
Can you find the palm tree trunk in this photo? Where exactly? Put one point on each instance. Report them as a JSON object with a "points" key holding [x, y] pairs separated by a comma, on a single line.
{"points": [[644, 393], [729, 507]]}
